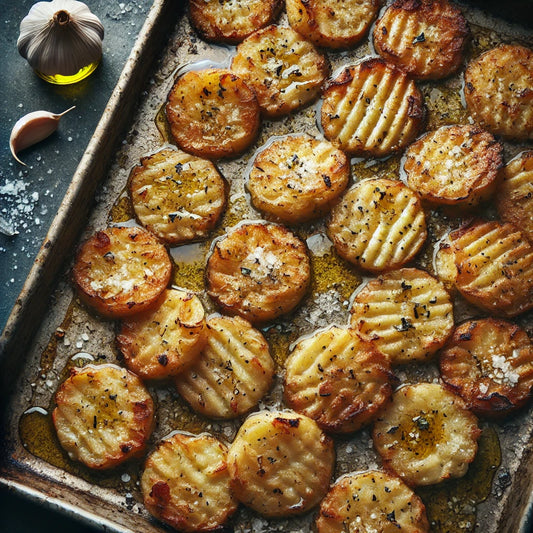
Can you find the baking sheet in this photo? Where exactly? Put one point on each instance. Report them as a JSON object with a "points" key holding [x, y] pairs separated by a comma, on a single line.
{"points": [[492, 497]]}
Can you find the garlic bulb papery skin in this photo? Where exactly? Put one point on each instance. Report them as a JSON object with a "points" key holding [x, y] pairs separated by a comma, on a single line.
{"points": [[62, 40]]}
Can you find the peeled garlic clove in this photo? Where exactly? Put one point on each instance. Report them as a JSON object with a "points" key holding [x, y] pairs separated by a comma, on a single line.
{"points": [[32, 128]]}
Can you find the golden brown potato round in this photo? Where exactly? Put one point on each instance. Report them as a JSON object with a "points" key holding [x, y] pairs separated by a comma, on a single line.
{"points": [[489, 363], [285, 71], [258, 271], [379, 224], [372, 109], [121, 271], [233, 372], [337, 379], [426, 38], [338, 24], [498, 91], [230, 21], [491, 265], [177, 196], [212, 113], [298, 178], [426, 435], [514, 198], [456, 165], [373, 501], [280, 463], [185, 483], [407, 314], [104, 415], [163, 342]]}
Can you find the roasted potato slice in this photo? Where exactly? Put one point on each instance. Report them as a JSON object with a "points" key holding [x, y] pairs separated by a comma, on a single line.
{"points": [[285, 71], [456, 165], [498, 91], [103, 416], [177, 196], [489, 363], [231, 21], [298, 178], [258, 271], [371, 501], [337, 379], [426, 435], [212, 113], [233, 372], [121, 271], [186, 484], [280, 463], [379, 224], [372, 109], [339, 24], [426, 38]]}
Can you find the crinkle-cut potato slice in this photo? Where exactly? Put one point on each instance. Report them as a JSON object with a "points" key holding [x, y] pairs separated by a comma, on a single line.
{"points": [[379, 224], [426, 38], [499, 91], [426, 434], [338, 24], [233, 372], [298, 178], [372, 109], [177, 196], [280, 463], [489, 363], [406, 313], [103, 416], [231, 21], [491, 265], [456, 165], [285, 71], [337, 379], [121, 271], [514, 198], [186, 484], [258, 271], [212, 113], [163, 342], [371, 501]]}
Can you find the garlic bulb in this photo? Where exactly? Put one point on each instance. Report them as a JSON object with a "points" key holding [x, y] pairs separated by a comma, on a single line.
{"points": [[62, 40]]}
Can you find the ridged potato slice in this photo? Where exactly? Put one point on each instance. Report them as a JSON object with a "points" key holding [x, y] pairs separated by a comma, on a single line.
{"points": [[103, 416], [177, 196], [406, 313], [426, 435], [456, 165], [298, 178], [233, 372], [337, 379], [514, 198], [498, 91], [163, 342], [230, 21], [121, 271], [212, 113], [489, 363], [186, 484], [426, 38], [285, 71], [371, 501], [339, 24], [491, 265], [280, 463], [372, 109], [258, 271], [379, 224]]}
